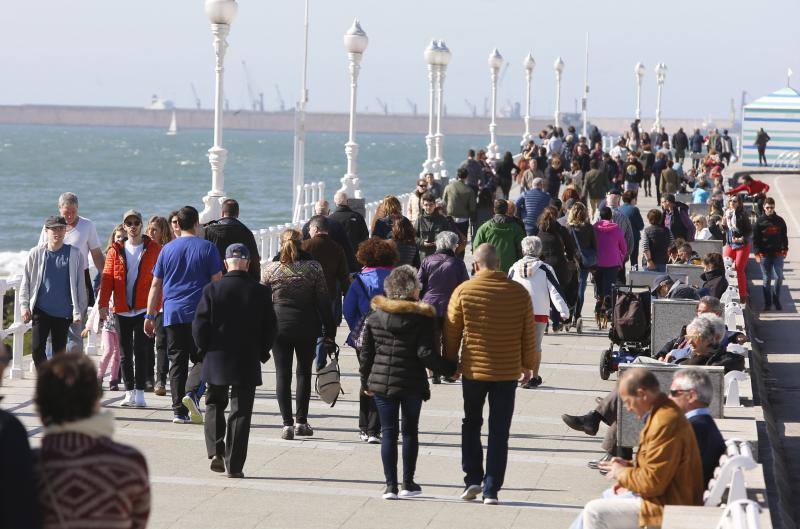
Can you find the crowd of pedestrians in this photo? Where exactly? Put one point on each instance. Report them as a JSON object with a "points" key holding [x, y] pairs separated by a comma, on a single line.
{"points": [[198, 306]]}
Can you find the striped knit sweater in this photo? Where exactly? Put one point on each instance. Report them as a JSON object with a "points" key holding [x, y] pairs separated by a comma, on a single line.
{"points": [[490, 320], [94, 482]]}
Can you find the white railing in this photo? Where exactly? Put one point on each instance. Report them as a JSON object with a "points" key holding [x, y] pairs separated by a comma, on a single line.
{"points": [[729, 474], [17, 329], [307, 196], [741, 514]]}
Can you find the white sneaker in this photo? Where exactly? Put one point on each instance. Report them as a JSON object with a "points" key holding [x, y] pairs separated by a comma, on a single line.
{"points": [[373, 440], [129, 400], [138, 396], [489, 501]]}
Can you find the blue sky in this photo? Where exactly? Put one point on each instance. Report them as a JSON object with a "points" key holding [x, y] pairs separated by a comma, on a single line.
{"points": [[119, 52]]}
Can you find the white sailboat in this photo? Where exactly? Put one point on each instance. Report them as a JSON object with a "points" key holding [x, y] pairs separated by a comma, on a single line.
{"points": [[173, 126]]}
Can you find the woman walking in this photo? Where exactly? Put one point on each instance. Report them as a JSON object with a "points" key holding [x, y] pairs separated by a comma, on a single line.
{"points": [[398, 345], [303, 310], [586, 250], [158, 229], [557, 250], [736, 223], [388, 211], [404, 239], [378, 257]]}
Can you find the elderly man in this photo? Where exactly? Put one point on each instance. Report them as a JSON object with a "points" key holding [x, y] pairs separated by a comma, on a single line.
{"points": [[531, 204], [667, 469], [503, 233], [234, 328], [82, 234], [691, 391], [229, 230], [352, 221], [337, 233], [490, 322], [664, 287], [539, 279]]}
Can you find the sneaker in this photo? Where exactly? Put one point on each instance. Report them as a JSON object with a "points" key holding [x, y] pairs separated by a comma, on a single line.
{"points": [[410, 489], [363, 436], [303, 430], [193, 406], [373, 440], [488, 500], [218, 464], [138, 399], [470, 492], [181, 419], [588, 424], [129, 401], [160, 391], [390, 492], [236, 475], [287, 433]]}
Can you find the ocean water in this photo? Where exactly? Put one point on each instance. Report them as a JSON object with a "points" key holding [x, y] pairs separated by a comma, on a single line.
{"points": [[112, 169]]}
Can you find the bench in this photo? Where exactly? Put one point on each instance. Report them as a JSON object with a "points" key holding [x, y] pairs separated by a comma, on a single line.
{"points": [[644, 278], [706, 247], [692, 272], [729, 474], [628, 424], [742, 514], [668, 317]]}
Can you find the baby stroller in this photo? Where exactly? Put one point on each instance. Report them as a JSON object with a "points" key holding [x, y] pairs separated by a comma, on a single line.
{"points": [[630, 328]]}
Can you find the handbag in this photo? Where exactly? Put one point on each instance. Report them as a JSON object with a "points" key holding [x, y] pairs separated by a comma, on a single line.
{"points": [[587, 257], [328, 384]]}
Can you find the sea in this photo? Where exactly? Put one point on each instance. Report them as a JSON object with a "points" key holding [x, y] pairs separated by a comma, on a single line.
{"points": [[113, 169]]}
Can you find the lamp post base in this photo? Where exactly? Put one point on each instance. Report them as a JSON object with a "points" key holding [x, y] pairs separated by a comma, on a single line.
{"points": [[213, 207], [350, 186]]}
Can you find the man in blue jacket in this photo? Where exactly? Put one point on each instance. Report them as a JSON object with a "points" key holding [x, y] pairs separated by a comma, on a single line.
{"points": [[531, 204]]}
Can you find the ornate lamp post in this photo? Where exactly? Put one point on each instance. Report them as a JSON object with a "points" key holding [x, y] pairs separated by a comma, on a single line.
{"points": [[639, 70], [431, 58], [661, 75], [443, 59], [355, 42], [221, 14], [529, 64], [495, 62], [558, 66]]}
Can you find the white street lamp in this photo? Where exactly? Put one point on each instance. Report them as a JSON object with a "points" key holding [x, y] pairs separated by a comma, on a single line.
{"points": [[495, 62], [443, 58], [355, 42], [639, 70], [221, 14], [298, 167], [558, 66], [529, 64], [431, 58], [661, 75]]}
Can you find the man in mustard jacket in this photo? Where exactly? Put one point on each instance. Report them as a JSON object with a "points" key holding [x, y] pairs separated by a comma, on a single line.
{"points": [[490, 320], [667, 469]]}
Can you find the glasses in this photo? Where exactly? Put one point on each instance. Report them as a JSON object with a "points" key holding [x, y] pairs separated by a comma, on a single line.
{"points": [[132, 223], [676, 392], [174, 222], [769, 208]]}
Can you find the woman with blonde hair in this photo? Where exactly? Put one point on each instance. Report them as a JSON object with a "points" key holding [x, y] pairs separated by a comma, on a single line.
{"points": [[580, 229], [159, 230], [387, 211], [303, 309]]}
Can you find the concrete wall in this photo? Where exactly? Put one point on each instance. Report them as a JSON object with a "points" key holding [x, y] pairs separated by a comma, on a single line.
{"points": [[284, 121]]}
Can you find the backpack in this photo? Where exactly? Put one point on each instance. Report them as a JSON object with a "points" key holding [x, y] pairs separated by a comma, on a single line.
{"points": [[328, 383], [631, 317]]}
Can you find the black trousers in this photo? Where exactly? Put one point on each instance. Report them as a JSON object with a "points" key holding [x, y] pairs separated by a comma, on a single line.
{"points": [[181, 348], [285, 348], [162, 361], [42, 326], [229, 440], [133, 344], [368, 419]]}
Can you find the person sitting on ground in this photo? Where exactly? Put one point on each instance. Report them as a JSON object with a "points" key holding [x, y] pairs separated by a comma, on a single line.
{"points": [[714, 281], [691, 391], [502, 233], [77, 444], [664, 287], [539, 279], [667, 469], [398, 345]]}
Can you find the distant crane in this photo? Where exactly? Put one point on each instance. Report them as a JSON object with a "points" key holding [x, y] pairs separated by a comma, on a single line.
{"points": [[413, 106], [383, 105], [256, 101], [197, 102], [473, 108], [281, 102]]}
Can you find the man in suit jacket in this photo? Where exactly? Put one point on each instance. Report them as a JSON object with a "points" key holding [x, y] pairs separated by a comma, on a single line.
{"points": [[234, 328], [691, 391]]}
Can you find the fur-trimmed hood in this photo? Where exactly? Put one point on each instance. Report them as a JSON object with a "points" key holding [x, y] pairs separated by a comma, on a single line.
{"points": [[401, 306]]}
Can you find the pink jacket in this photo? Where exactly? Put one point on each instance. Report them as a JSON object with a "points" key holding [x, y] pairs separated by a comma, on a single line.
{"points": [[611, 247]]}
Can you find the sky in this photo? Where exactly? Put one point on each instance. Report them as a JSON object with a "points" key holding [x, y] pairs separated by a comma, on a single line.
{"points": [[120, 52]]}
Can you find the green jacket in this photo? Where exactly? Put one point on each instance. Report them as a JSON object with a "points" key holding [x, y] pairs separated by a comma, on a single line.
{"points": [[595, 184], [505, 235], [460, 201]]}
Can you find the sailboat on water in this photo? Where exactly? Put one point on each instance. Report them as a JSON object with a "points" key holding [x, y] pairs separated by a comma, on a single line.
{"points": [[173, 125]]}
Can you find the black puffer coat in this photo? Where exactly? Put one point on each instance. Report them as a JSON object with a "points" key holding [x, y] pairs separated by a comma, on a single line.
{"points": [[398, 345]]}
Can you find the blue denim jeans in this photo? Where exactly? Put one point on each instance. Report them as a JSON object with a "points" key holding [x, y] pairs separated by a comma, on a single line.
{"points": [[501, 409], [771, 268], [583, 276], [389, 410]]}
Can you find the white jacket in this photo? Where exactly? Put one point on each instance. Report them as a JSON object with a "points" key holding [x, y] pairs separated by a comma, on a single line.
{"points": [[532, 274]]}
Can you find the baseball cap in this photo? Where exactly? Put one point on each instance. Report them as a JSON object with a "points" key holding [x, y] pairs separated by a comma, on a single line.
{"points": [[657, 282], [132, 213], [237, 250], [55, 221]]}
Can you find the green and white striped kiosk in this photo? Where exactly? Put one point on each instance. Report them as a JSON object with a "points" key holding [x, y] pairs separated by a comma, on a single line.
{"points": [[779, 115]]}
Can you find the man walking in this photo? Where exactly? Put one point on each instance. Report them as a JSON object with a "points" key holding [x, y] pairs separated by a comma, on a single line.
{"points": [[474, 171], [337, 232], [504, 234], [531, 204], [771, 244], [459, 201], [183, 268], [595, 186], [680, 142], [229, 230], [762, 138], [234, 329], [490, 322], [725, 147], [428, 225]]}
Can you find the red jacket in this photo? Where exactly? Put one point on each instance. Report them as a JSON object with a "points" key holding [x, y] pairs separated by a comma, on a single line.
{"points": [[115, 274], [754, 188]]}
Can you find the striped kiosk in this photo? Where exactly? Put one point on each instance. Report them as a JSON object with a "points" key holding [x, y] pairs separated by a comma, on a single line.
{"points": [[779, 115]]}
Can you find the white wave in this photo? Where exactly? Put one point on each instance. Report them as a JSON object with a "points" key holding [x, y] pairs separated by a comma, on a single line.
{"points": [[12, 264]]}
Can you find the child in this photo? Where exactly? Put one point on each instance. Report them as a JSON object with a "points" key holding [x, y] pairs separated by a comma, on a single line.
{"points": [[108, 328]]}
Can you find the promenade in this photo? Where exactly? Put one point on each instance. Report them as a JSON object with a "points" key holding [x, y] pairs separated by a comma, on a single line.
{"points": [[333, 480]]}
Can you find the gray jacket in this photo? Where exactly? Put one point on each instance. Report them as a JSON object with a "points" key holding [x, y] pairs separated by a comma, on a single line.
{"points": [[34, 275]]}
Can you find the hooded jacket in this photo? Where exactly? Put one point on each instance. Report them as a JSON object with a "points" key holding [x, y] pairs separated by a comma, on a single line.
{"points": [[506, 237], [539, 280], [357, 301], [439, 275], [611, 247], [398, 346], [714, 283]]}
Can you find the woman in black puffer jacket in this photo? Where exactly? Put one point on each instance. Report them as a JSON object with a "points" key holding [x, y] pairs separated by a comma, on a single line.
{"points": [[398, 344]]}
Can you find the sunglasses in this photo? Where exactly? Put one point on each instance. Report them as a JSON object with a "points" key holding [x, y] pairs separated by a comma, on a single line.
{"points": [[174, 221], [132, 223], [676, 392], [770, 208]]}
